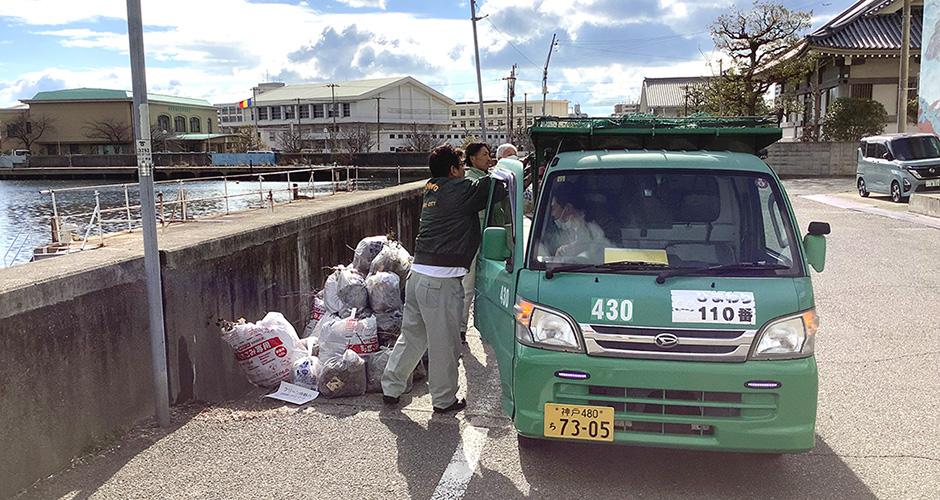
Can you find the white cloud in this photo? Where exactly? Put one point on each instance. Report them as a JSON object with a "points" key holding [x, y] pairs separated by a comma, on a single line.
{"points": [[376, 4]]}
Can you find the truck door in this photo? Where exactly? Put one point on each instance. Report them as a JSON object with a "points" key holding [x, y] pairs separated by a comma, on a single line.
{"points": [[496, 279]]}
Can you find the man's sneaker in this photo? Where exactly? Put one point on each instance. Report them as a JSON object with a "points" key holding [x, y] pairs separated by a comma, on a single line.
{"points": [[391, 400], [458, 405]]}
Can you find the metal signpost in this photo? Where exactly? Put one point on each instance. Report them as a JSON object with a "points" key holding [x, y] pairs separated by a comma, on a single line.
{"points": [[161, 393]]}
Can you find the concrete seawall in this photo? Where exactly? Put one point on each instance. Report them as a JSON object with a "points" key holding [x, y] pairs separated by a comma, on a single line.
{"points": [[75, 362]]}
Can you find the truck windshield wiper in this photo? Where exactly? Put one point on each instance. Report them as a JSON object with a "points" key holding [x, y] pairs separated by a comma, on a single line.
{"points": [[632, 265], [661, 278]]}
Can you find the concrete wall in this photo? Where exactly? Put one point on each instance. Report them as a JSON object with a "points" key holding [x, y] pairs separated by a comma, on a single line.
{"points": [[813, 159], [75, 362]]}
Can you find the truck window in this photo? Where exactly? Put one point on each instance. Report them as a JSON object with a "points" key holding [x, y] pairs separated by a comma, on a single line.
{"points": [[685, 219]]}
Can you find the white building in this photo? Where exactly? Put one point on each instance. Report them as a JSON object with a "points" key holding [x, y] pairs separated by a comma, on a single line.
{"points": [[465, 119], [362, 115]]}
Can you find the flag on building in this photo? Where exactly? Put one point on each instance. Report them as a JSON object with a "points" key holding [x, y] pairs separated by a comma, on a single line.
{"points": [[245, 104]]}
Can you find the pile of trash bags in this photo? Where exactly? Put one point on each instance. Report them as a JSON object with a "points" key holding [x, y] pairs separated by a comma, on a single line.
{"points": [[344, 347]]}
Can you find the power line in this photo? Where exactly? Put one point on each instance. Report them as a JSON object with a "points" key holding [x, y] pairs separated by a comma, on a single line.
{"points": [[512, 44]]}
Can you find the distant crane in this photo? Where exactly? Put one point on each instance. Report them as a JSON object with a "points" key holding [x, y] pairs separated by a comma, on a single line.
{"points": [[545, 74]]}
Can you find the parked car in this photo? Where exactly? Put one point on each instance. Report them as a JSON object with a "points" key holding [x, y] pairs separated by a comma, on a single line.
{"points": [[898, 165]]}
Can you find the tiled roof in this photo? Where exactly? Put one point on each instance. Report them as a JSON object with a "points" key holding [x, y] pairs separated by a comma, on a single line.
{"points": [[85, 94], [667, 92], [864, 27]]}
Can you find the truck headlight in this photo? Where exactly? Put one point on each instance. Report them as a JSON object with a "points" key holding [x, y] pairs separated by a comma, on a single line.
{"points": [[790, 337], [545, 328]]}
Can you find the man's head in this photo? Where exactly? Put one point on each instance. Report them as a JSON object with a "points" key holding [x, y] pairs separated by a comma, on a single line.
{"points": [[567, 202], [505, 151], [477, 155], [444, 161]]}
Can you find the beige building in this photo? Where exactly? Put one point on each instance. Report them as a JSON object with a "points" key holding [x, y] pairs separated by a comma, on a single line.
{"points": [[667, 96], [465, 118], [859, 56], [99, 121]]}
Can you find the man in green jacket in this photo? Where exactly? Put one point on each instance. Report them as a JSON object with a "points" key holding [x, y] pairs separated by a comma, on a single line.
{"points": [[448, 238]]}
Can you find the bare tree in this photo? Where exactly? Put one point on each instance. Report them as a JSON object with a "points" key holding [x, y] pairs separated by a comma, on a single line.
{"points": [[757, 41], [422, 138], [291, 140], [108, 129], [28, 129], [358, 139], [246, 140]]}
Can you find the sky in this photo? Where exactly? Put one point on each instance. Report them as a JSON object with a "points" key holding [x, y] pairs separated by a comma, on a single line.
{"points": [[218, 49]]}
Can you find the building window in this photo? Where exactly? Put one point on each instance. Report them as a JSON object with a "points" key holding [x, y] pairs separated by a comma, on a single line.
{"points": [[463, 124], [473, 112], [528, 109], [179, 124], [463, 112], [163, 122], [271, 136], [208, 125], [519, 109], [518, 122], [472, 123], [501, 123], [194, 125], [489, 111], [263, 113], [289, 112], [861, 90], [318, 111], [489, 123], [391, 136], [347, 109], [453, 112], [499, 111], [304, 111], [275, 112]]}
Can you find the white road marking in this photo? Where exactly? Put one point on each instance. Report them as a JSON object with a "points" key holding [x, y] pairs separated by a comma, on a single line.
{"points": [[863, 207], [453, 483]]}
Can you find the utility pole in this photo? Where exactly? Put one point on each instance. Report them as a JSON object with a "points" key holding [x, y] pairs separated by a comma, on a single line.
{"points": [[545, 75], [904, 79], [510, 94], [135, 35], [332, 87], [476, 50], [378, 122]]}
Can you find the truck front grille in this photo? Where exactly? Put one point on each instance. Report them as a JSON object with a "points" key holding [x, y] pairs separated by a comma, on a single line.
{"points": [[727, 345], [669, 411]]}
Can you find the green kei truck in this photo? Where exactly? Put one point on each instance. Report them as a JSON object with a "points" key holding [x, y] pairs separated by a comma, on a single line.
{"points": [[659, 296]]}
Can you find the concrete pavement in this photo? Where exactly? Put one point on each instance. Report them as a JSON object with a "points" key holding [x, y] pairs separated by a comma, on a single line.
{"points": [[878, 424]]}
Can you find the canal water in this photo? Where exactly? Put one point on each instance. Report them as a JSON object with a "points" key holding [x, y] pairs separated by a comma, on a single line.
{"points": [[25, 213]]}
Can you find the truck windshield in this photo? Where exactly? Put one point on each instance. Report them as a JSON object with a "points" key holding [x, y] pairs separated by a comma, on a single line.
{"points": [[676, 220], [916, 148]]}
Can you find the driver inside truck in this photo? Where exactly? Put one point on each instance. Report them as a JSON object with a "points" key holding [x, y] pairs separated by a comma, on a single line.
{"points": [[575, 236]]}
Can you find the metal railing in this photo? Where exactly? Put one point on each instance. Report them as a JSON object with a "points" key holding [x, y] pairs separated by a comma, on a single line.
{"points": [[125, 217]]}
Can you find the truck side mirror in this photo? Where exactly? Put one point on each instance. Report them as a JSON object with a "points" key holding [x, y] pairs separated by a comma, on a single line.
{"points": [[814, 244], [763, 154], [494, 244]]}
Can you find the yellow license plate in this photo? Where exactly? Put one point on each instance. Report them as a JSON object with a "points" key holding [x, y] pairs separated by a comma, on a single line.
{"points": [[593, 423]]}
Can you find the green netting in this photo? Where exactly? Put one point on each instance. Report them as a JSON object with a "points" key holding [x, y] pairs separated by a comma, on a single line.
{"points": [[698, 132]]}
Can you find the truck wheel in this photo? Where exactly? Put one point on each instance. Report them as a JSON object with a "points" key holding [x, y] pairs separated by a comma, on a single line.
{"points": [[862, 188], [896, 192], [527, 443]]}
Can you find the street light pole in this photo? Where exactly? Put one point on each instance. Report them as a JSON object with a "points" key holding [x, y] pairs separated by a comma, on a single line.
{"points": [[904, 79], [476, 50], [378, 122], [332, 87], [161, 393]]}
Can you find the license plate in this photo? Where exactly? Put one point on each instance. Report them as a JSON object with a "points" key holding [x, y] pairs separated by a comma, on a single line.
{"points": [[592, 423], [933, 183]]}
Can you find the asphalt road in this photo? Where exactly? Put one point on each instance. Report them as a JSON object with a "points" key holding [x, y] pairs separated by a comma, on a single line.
{"points": [[878, 426]]}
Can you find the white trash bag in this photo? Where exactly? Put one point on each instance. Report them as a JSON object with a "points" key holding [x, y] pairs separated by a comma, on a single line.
{"points": [[384, 291], [366, 251], [265, 350], [375, 367], [317, 311], [306, 372], [344, 290], [393, 259]]}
